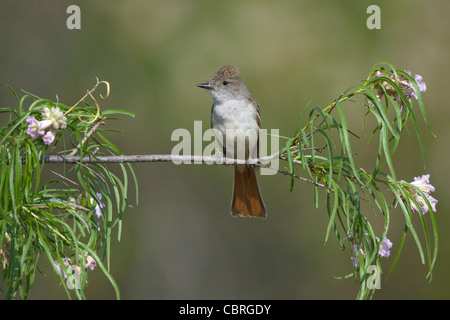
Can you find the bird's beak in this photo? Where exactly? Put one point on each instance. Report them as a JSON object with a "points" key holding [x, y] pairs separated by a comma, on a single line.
{"points": [[206, 86]]}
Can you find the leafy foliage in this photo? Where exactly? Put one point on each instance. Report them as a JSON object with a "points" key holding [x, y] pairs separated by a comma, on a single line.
{"points": [[70, 216], [352, 192]]}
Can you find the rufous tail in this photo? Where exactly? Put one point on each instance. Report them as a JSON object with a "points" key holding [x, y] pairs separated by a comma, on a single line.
{"points": [[247, 200]]}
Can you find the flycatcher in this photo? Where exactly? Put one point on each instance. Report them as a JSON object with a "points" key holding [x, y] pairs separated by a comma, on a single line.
{"points": [[236, 120]]}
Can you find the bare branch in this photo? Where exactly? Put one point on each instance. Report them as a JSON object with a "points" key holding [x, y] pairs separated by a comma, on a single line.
{"points": [[178, 159], [153, 158]]}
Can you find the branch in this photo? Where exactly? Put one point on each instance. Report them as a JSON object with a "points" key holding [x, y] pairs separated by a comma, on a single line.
{"points": [[154, 158], [93, 129], [178, 159]]}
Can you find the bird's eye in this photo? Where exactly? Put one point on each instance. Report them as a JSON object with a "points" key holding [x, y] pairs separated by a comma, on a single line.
{"points": [[225, 83]]}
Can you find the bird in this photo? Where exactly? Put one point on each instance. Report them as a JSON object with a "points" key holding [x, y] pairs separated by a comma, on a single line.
{"points": [[236, 121]]}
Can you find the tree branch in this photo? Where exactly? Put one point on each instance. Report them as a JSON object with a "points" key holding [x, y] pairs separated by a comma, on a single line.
{"points": [[154, 158], [178, 159]]}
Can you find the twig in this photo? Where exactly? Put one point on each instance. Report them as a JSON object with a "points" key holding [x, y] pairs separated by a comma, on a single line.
{"points": [[333, 105], [93, 129], [89, 93], [62, 177], [286, 173], [68, 205]]}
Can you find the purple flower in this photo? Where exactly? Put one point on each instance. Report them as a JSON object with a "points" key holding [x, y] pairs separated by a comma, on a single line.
{"points": [[403, 83], [422, 86], [37, 128], [66, 263], [49, 137], [34, 128], [90, 262], [100, 205], [383, 249], [423, 184], [355, 258], [53, 119]]}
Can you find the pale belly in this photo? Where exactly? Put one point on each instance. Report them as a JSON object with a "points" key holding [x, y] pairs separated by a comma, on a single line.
{"points": [[237, 126]]}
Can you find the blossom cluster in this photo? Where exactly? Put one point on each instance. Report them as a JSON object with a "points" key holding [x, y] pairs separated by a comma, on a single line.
{"points": [[52, 119], [89, 265], [403, 83], [90, 262], [423, 184], [383, 251]]}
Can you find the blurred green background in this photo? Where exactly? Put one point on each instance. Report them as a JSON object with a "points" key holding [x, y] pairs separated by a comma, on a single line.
{"points": [[180, 242]]}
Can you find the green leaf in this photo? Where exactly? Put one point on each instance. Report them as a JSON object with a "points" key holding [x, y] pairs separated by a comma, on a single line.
{"points": [[333, 211], [290, 161], [398, 192], [118, 111], [346, 140], [419, 99]]}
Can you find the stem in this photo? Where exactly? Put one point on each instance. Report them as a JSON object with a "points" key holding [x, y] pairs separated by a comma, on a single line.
{"points": [[328, 109]]}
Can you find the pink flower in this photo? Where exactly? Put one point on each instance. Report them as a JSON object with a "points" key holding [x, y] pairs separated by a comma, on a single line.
{"points": [[383, 249], [66, 263], [34, 129], [90, 262], [53, 119], [423, 184], [49, 137], [404, 84]]}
